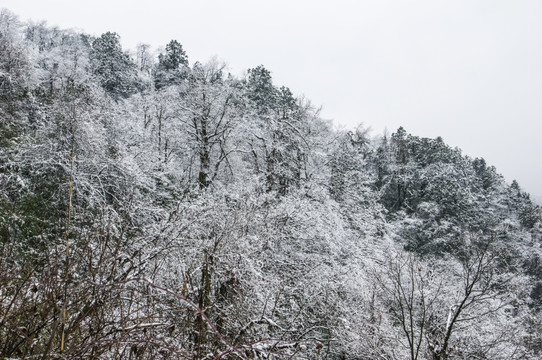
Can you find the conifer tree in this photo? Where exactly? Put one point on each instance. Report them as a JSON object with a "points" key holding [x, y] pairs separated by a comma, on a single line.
{"points": [[114, 69]]}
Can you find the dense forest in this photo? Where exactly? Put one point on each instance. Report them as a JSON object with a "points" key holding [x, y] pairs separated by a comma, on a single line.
{"points": [[155, 208]]}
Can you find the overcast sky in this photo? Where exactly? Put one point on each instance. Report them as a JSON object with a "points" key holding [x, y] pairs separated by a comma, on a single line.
{"points": [[469, 71]]}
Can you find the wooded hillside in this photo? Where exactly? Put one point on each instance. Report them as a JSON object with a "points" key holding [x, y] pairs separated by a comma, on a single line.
{"points": [[158, 208]]}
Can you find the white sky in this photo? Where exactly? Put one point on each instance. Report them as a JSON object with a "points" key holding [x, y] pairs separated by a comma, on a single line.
{"points": [[467, 70]]}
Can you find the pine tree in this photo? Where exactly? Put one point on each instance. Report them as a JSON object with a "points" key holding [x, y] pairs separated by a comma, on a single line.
{"points": [[113, 68], [172, 66]]}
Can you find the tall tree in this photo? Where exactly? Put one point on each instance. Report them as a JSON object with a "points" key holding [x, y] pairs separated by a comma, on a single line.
{"points": [[174, 57], [114, 69], [13, 63], [281, 127], [208, 111], [172, 66]]}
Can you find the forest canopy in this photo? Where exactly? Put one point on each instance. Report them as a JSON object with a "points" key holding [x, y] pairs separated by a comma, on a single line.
{"points": [[161, 208]]}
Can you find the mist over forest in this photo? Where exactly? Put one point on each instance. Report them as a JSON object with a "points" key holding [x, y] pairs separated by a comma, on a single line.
{"points": [[159, 208]]}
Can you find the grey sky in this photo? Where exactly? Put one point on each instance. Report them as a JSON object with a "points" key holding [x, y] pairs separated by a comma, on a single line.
{"points": [[469, 71]]}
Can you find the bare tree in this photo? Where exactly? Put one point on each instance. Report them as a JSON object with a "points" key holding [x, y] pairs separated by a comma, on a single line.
{"points": [[437, 306], [481, 294], [207, 111], [410, 297]]}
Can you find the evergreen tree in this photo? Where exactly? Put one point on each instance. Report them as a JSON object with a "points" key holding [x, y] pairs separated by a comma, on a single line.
{"points": [[113, 68], [174, 57], [172, 66], [261, 89]]}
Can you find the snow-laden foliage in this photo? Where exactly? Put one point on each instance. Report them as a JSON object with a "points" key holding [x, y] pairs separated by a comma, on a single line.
{"points": [[156, 209]]}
